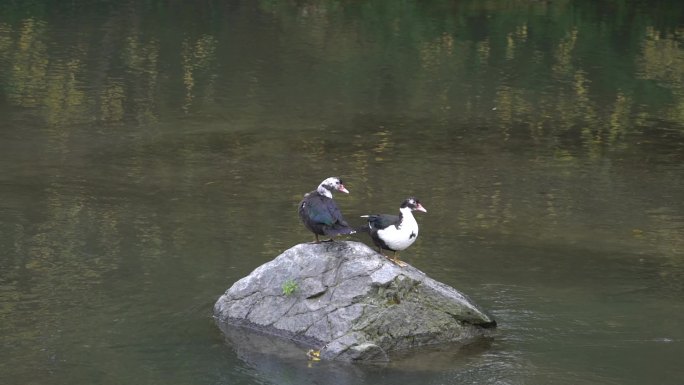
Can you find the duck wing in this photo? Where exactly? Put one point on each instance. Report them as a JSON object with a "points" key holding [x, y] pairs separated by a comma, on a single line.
{"points": [[323, 210], [382, 221]]}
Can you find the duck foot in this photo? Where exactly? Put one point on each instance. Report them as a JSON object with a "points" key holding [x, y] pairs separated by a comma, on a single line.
{"points": [[396, 261]]}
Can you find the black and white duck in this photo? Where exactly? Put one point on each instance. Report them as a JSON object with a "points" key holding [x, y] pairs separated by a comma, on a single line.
{"points": [[395, 232], [319, 212]]}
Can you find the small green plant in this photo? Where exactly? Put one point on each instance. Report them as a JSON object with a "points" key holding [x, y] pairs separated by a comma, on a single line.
{"points": [[289, 287]]}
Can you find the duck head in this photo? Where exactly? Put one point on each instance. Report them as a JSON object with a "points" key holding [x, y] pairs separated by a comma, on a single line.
{"points": [[414, 204], [331, 184]]}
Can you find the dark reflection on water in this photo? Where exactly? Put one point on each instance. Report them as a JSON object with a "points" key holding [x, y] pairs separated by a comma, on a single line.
{"points": [[277, 360], [280, 361], [151, 154]]}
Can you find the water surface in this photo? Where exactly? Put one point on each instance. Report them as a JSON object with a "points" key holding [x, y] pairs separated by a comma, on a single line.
{"points": [[153, 154]]}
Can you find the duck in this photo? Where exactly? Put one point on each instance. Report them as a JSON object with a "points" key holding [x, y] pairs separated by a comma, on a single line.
{"points": [[395, 232], [319, 212]]}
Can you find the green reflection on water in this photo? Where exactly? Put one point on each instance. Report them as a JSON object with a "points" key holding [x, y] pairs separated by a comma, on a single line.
{"points": [[153, 153]]}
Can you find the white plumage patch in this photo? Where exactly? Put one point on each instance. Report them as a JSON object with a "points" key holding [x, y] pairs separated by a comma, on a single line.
{"points": [[399, 238]]}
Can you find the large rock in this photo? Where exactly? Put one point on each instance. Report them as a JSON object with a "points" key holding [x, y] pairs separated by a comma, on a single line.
{"points": [[350, 302]]}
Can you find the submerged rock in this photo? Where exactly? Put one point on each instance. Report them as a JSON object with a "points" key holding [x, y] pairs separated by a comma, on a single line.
{"points": [[350, 302]]}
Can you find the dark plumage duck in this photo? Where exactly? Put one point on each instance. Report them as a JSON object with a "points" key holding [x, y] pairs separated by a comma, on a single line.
{"points": [[395, 232], [320, 214]]}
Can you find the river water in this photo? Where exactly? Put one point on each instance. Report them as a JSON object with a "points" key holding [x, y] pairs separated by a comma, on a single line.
{"points": [[153, 153]]}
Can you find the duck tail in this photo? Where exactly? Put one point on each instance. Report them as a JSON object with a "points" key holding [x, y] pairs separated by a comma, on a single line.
{"points": [[339, 230], [362, 229]]}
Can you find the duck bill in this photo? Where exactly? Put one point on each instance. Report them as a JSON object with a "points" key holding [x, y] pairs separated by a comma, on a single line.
{"points": [[420, 208], [342, 189]]}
